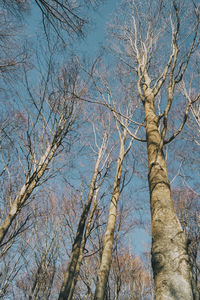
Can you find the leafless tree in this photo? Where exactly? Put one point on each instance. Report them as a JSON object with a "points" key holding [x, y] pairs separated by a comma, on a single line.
{"points": [[47, 123], [109, 234], [59, 15], [102, 162], [157, 47]]}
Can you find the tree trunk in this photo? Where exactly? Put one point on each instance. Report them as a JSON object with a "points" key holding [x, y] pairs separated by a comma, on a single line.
{"points": [[64, 125], [171, 269], [82, 247], [27, 189], [104, 268], [71, 274]]}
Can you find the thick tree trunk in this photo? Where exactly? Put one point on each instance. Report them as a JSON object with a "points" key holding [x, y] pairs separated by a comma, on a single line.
{"points": [[171, 269], [104, 268]]}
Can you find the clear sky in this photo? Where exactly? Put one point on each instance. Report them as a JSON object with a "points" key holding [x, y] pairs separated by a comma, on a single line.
{"points": [[96, 31]]}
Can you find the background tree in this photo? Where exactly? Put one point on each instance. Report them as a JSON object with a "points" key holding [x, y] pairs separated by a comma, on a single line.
{"points": [[55, 114], [109, 234], [102, 162], [187, 207]]}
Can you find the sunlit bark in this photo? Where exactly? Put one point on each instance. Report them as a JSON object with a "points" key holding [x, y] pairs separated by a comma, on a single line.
{"points": [[170, 261], [142, 36], [106, 258], [76, 256]]}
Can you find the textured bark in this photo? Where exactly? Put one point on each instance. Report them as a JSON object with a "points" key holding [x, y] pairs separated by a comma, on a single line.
{"points": [[143, 36], [172, 273], [104, 268], [70, 276]]}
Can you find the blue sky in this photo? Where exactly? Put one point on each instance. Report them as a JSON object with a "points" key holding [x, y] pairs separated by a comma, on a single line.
{"points": [[101, 18], [90, 45], [96, 30]]}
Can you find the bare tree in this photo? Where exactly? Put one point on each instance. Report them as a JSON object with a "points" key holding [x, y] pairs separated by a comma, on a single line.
{"points": [[59, 15], [106, 258], [157, 76], [49, 122], [71, 274], [130, 278], [37, 279]]}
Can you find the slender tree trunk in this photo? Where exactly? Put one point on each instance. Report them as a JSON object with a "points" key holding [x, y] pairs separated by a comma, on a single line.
{"points": [[81, 254], [171, 269], [27, 189], [69, 275], [74, 263], [33, 179], [104, 268]]}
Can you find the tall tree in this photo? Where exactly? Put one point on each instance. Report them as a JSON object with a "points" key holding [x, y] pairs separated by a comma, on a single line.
{"points": [[47, 125], [106, 258], [151, 47], [72, 271]]}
